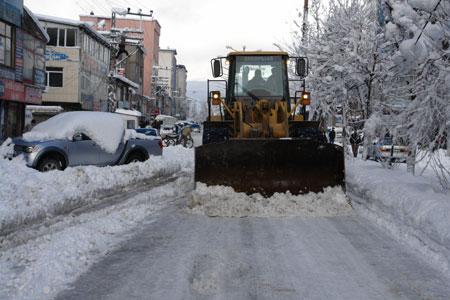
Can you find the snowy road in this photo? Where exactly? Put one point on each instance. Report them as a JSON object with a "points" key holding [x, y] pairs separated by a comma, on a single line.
{"points": [[182, 256]]}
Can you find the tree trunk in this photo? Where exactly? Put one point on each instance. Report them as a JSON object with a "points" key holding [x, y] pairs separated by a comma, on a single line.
{"points": [[411, 159]]}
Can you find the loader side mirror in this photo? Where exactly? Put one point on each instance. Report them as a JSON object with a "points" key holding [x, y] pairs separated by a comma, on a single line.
{"points": [[301, 67], [217, 68]]}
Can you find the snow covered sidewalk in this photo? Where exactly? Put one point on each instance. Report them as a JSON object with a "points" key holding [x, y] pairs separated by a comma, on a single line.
{"points": [[27, 196], [411, 207]]}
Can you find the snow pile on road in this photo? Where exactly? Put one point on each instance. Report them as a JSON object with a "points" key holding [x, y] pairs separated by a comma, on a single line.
{"points": [[27, 195], [45, 262], [222, 201]]}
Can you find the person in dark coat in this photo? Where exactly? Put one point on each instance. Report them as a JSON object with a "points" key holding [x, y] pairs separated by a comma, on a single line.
{"points": [[355, 141], [332, 135]]}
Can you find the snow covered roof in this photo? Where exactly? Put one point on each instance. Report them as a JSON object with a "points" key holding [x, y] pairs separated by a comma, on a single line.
{"points": [[126, 80], [105, 129], [82, 24], [36, 21], [129, 112], [44, 108]]}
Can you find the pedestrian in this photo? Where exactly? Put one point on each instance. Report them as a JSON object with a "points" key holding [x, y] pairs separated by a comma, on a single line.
{"points": [[157, 125], [332, 135], [355, 141], [185, 135], [29, 126]]}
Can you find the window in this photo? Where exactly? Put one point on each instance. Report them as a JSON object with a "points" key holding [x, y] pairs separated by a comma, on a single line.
{"points": [[62, 37], [6, 45], [53, 34], [71, 38], [33, 57], [54, 77]]}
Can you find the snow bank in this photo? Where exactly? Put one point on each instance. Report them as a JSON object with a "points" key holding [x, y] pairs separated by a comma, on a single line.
{"points": [[27, 195], [411, 207], [106, 129], [223, 201]]}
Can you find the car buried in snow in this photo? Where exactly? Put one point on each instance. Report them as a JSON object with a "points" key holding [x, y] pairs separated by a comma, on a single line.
{"points": [[84, 138]]}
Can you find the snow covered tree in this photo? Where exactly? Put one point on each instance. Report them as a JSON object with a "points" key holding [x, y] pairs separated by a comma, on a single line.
{"points": [[417, 51]]}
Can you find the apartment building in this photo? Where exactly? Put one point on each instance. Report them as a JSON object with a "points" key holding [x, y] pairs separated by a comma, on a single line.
{"points": [[77, 65]]}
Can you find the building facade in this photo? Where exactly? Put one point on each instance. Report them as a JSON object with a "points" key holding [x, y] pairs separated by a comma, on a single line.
{"points": [[22, 65], [152, 31], [167, 76], [180, 91], [77, 65]]}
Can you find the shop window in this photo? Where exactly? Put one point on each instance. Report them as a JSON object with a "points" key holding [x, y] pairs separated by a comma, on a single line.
{"points": [[6, 45], [54, 77]]}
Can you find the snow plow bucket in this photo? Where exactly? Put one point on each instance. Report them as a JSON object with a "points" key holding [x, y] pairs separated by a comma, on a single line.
{"points": [[268, 166]]}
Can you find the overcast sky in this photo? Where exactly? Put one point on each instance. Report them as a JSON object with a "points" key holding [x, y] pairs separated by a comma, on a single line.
{"points": [[198, 29]]}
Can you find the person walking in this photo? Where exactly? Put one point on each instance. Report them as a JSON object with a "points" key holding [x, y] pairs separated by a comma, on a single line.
{"points": [[332, 135], [355, 141], [29, 126]]}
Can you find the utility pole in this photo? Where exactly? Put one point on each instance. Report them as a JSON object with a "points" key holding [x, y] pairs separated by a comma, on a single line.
{"points": [[120, 38], [305, 21]]}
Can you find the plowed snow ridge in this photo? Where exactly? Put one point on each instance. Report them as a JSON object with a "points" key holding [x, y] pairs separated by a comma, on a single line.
{"points": [[222, 201]]}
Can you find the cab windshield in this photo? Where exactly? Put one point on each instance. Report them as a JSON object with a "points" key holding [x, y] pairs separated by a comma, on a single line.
{"points": [[259, 77]]}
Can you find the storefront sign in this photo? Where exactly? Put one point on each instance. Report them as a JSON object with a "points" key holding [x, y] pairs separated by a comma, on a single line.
{"points": [[7, 74], [39, 77], [13, 91], [19, 55], [33, 95], [56, 56], [11, 11]]}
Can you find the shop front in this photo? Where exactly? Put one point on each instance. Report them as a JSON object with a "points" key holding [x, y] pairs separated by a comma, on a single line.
{"points": [[13, 98]]}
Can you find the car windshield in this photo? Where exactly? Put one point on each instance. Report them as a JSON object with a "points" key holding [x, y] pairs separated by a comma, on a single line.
{"points": [[386, 141], [259, 75], [146, 131]]}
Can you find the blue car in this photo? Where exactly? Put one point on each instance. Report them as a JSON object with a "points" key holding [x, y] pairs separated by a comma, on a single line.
{"points": [[148, 131]]}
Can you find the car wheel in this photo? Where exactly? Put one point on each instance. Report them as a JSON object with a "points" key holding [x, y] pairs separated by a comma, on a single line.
{"points": [[189, 143], [50, 164], [135, 157]]}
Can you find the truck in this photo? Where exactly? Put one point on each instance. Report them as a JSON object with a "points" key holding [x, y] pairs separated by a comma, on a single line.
{"points": [[83, 138], [262, 141]]}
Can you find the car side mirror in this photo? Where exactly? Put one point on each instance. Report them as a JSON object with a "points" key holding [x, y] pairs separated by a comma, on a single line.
{"points": [[217, 68], [301, 67], [77, 137]]}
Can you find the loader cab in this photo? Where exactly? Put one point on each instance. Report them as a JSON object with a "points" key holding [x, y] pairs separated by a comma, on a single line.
{"points": [[255, 77]]}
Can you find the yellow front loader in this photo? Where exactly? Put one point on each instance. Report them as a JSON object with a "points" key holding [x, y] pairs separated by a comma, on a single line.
{"points": [[256, 138]]}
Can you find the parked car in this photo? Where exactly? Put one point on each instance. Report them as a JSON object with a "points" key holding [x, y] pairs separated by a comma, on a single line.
{"points": [[195, 127], [84, 138], [148, 131], [384, 149]]}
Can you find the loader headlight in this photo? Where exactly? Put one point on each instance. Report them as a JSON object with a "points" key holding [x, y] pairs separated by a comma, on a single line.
{"points": [[227, 62], [305, 98], [31, 149], [215, 97]]}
